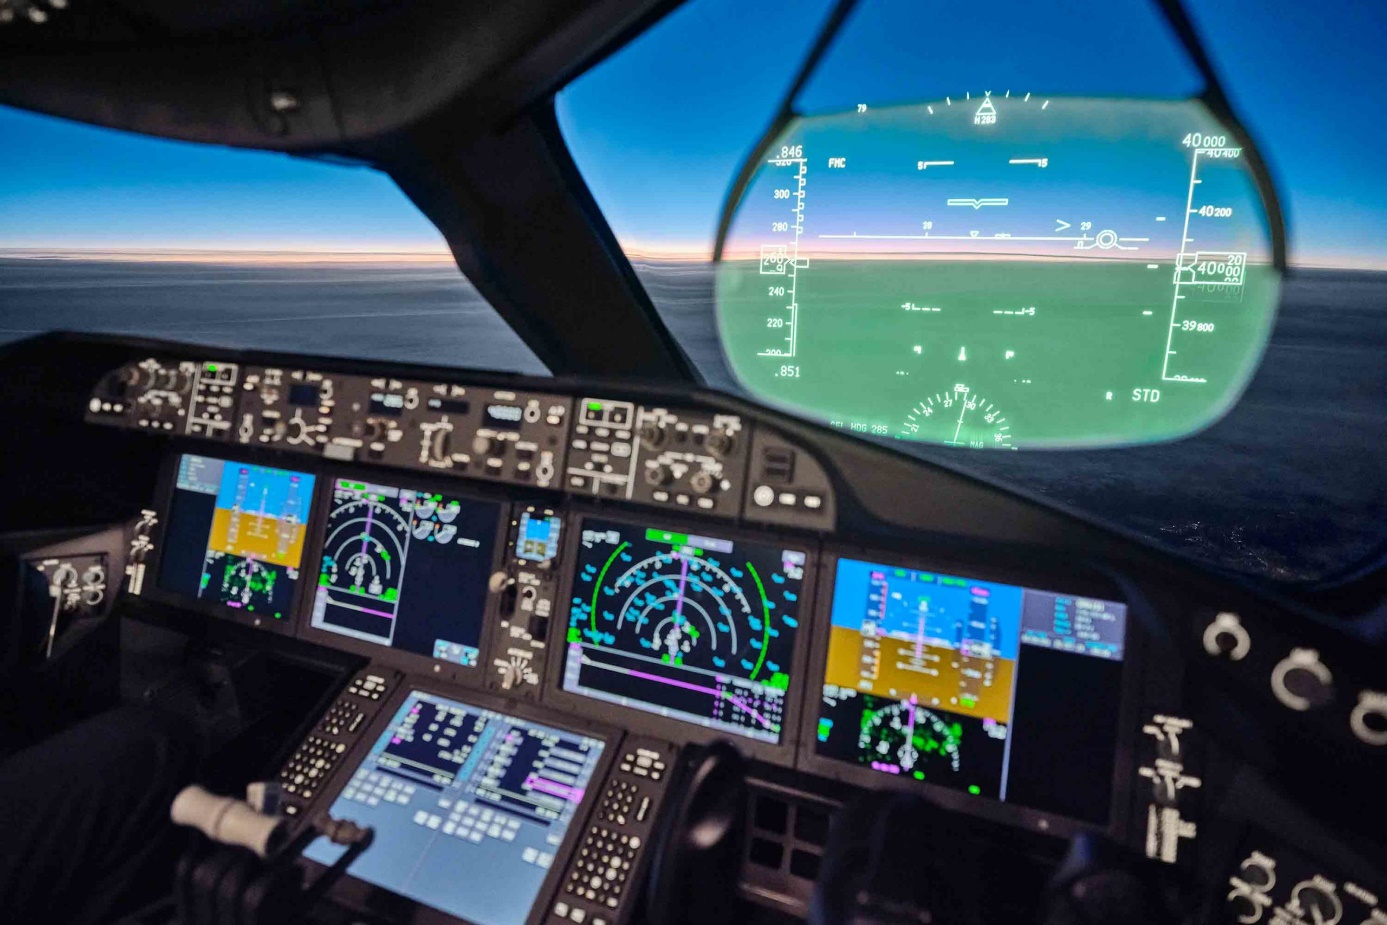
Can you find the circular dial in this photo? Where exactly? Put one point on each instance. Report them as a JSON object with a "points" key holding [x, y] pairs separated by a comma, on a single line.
{"points": [[684, 609], [364, 552], [958, 417], [911, 737]]}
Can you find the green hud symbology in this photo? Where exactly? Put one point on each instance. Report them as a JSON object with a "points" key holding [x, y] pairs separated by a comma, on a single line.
{"points": [[1001, 270]]}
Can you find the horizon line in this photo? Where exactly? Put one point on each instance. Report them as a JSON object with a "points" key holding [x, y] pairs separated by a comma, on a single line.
{"points": [[443, 257]]}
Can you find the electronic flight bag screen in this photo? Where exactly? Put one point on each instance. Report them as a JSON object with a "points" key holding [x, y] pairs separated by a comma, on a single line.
{"points": [[697, 628], [470, 807], [235, 534], [406, 569], [996, 690]]}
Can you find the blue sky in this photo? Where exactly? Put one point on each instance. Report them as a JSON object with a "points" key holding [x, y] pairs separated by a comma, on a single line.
{"points": [[659, 129], [64, 185]]}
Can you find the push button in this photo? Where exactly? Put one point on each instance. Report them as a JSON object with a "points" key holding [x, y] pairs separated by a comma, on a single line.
{"points": [[1225, 637], [1301, 681]]}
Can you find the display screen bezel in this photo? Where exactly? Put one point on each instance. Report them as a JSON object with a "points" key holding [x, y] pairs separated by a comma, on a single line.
{"points": [[164, 493], [1079, 580], [370, 898], [638, 720], [385, 655]]}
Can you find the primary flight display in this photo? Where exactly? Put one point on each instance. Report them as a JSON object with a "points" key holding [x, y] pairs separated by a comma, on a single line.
{"points": [[973, 685], [235, 534]]}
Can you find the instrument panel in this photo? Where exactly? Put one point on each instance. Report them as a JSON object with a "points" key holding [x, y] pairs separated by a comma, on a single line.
{"points": [[866, 667], [585, 446], [467, 534], [675, 580]]}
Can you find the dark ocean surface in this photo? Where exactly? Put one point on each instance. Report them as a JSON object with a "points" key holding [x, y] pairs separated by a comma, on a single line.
{"points": [[1292, 484]]}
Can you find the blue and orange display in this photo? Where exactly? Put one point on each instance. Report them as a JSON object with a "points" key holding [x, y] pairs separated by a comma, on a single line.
{"points": [[236, 534], [973, 685]]}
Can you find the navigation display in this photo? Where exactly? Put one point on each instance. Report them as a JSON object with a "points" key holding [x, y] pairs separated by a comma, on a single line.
{"points": [[235, 534], [697, 628], [470, 807], [1000, 691], [406, 569]]}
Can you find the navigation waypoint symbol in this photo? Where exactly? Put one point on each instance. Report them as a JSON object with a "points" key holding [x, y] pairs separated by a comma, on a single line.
{"points": [[986, 114]]}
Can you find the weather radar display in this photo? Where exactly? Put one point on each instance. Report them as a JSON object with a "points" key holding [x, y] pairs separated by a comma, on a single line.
{"points": [[236, 534], [1000, 270], [697, 628]]}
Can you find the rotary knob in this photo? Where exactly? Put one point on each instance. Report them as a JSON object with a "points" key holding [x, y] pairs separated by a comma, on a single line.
{"points": [[702, 482], [657, 476], [124, 382], [484, 445], [652, 435], [441, 445], [369, 430], [1225, 637], [1369, 719], [1301, 681], [719, 443]]}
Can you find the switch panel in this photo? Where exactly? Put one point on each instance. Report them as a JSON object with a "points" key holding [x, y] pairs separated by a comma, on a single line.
{"points": [[603, 878], [667, 457], [319, 756], [786, 486], [525, 596]]}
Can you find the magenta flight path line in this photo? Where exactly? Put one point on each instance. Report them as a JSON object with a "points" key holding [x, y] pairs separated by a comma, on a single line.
{"points": [[553, 788], [735, 701], [365, 534], [683, 581]]}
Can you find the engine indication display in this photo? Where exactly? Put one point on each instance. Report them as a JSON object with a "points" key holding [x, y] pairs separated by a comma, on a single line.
{"points": [[694, 627], [1100, 268], [406, 569]]}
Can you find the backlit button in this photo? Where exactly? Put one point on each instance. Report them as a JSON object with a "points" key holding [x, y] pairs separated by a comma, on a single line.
{"points": [[1226, 637], [763, 496], [1369, 719], [1301, 681]]}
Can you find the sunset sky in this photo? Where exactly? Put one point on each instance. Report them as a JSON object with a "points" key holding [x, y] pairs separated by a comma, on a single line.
{"points": [[659, 129]]}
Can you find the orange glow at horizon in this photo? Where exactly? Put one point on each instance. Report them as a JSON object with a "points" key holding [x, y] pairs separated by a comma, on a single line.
{"points": [[439, 255]]}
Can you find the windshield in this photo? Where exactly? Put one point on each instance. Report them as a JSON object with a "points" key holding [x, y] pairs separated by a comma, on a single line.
{"points": [[1289, 484], [103, 231]]}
